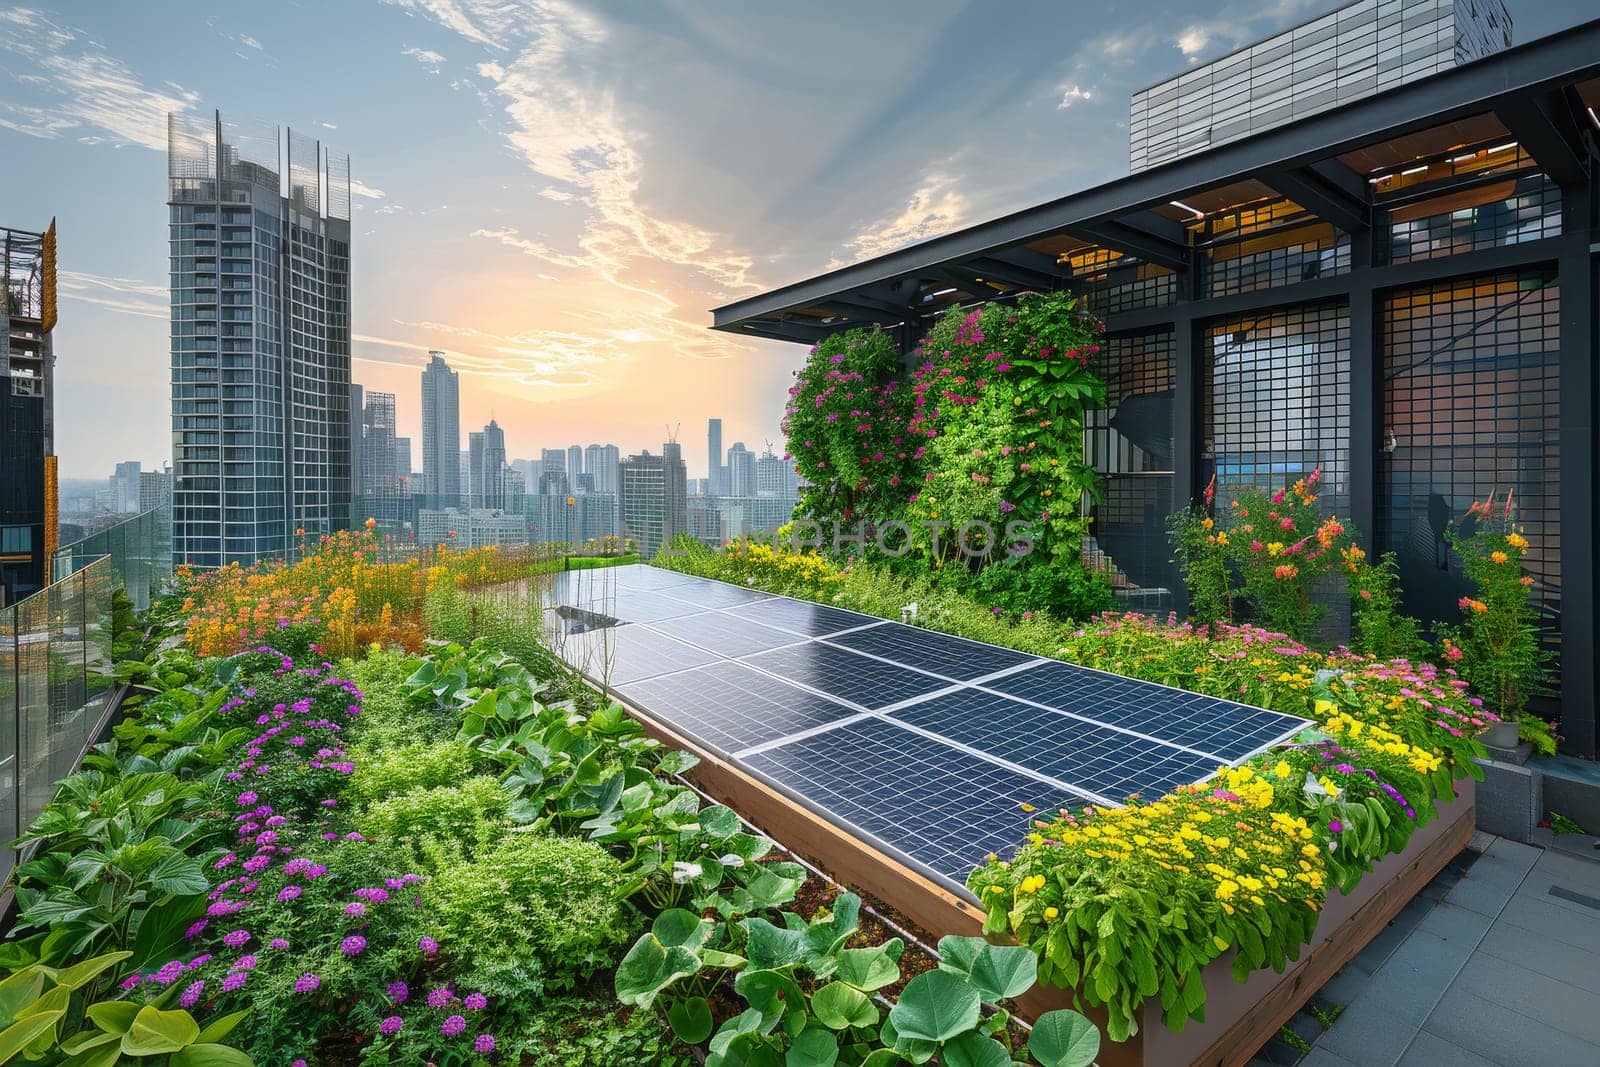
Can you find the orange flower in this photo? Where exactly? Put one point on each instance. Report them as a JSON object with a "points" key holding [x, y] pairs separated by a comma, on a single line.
{"points": [[1498, 557], [1466, 603]]}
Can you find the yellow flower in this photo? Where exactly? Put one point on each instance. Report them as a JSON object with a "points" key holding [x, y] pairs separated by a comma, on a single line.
{"points": [[1051, 913], [1227, 888], [1031, 884], [1498, 557], [1516, 540], [1282, 770]]}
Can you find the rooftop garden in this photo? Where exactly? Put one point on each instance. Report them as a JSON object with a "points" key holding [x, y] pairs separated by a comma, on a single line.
{"points": [[358, 812]]}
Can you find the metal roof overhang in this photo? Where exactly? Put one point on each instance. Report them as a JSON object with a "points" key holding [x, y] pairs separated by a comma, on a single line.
{"points": [[1532, 92]]}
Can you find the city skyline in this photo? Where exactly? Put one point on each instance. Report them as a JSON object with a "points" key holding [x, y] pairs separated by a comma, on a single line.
{"points": [[560, 283]]}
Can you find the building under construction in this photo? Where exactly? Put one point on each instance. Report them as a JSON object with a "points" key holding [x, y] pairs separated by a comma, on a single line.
{"points": [[27, 424]]}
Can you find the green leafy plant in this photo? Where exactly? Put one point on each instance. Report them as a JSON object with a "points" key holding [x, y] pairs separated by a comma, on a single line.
{"points": [[1378, 626], [37, 1003], [1201, 552]]}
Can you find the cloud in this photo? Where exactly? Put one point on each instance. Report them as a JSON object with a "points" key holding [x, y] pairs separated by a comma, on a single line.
{"points": [[560, 196], [365, 191], [448, 14], [935, 206], [1192, 41], [1071, 94], [430, 60], [84, 88], [130, 296]]}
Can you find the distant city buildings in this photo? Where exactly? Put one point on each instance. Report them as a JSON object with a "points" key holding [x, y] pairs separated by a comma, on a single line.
{"points": [[470, 527], [125, 486], [741, 471], [654, 498], [260, 295], [28, 516], [487, 466], [382, 464], [441, 433], [714, 468]]}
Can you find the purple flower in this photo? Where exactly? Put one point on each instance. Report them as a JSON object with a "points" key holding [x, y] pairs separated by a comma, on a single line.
{"points": [[296, 865], [248, 799], [169, 972], [244, 963], [316, 870], [132, 980], [354, 945], [398, 992], [236, 938], [391, 1025], [475, 1002], [452, 1026], [278, 943], [1336, 826], [438, 998], [484, 1043], [330, 803], [191, 994], [289, 892], [195, 929], [200, 961], [224, 861], [234, 981], [307, 983], [428, 946], [355, 908]]}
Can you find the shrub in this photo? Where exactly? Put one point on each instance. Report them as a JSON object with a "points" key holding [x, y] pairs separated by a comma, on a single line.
{"points": [[387, 770], [470, 813], [594, 1031], [529, 912], [1201, 552], [1378, 626], [1496, 643]]}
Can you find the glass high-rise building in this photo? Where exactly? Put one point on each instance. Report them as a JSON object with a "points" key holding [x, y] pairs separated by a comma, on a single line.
{"points": [[28, 518], [714, 467], [741, 471], [654, 498], [487, 467], [260, 284], [441, 433], [1361, 49]]}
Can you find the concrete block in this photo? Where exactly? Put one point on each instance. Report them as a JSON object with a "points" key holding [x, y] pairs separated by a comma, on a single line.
{"points": [[1509, 800]]}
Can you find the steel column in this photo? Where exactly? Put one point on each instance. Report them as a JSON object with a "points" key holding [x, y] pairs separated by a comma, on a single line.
{"points": [[1578, 464]]}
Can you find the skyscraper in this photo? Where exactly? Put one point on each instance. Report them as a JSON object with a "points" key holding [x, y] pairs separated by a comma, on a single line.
{"points": [[714, 456], [488, 466], [574, 463], [654, 502], [260, 285], [600, 462], [382, 465], [741, 471], [125, 486], [441, 433], [27, 398]]}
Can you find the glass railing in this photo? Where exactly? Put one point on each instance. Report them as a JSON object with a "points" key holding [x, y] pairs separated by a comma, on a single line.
{"points": [[56, 683], [140, 548]]}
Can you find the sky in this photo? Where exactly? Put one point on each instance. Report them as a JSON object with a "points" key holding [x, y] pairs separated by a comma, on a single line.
{"points": [[556, 193]]}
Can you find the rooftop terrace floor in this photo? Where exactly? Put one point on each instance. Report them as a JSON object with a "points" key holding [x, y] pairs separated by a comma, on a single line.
{"points": [[1496, 962]]}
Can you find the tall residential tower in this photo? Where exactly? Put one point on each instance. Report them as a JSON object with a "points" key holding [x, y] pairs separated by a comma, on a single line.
{"points": [[441, 434], [27, 399], [260, 281]]}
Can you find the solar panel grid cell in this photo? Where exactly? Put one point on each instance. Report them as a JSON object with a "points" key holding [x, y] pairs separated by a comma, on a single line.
{"points": [[870, 683], [812, 620], [952, 657], [938, 805]]}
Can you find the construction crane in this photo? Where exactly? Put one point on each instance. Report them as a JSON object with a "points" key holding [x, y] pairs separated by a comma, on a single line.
{"points": [[672, 433]]}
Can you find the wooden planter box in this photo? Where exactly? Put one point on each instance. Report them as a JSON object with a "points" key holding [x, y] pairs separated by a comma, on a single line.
{"points": [[1240, 1017]]}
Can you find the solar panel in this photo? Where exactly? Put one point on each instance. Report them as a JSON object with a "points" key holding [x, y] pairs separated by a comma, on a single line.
{"points": [[933, 804], [1087, 756], [725, 634], [953, 657], [1222, 729], [841, 673], [731, 707], [629, 653], [709, 594], [802, 617], [645, 577], [641, 605]]}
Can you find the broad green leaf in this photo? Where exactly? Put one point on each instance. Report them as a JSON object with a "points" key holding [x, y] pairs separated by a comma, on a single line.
{"points": [[649, 967], [839, 1006], [177, 873], [936, 1006], [210, 1055], [774, 994], [17, 990], [814, 1047], [108, 1055], [718, 822], [88, 1039], [113, 1016], [769, 946], [675, 926], [691, 1020], [869, 969], [1064, 1038], [155, 1031], [973, 1049], [221, 1027], [80, 974], [998, 972], [20, 1034]]}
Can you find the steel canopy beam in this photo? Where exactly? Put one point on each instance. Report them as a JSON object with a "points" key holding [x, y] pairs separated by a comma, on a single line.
{"points": [[1309, 189], [1138, 241], [1543, 125]]}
